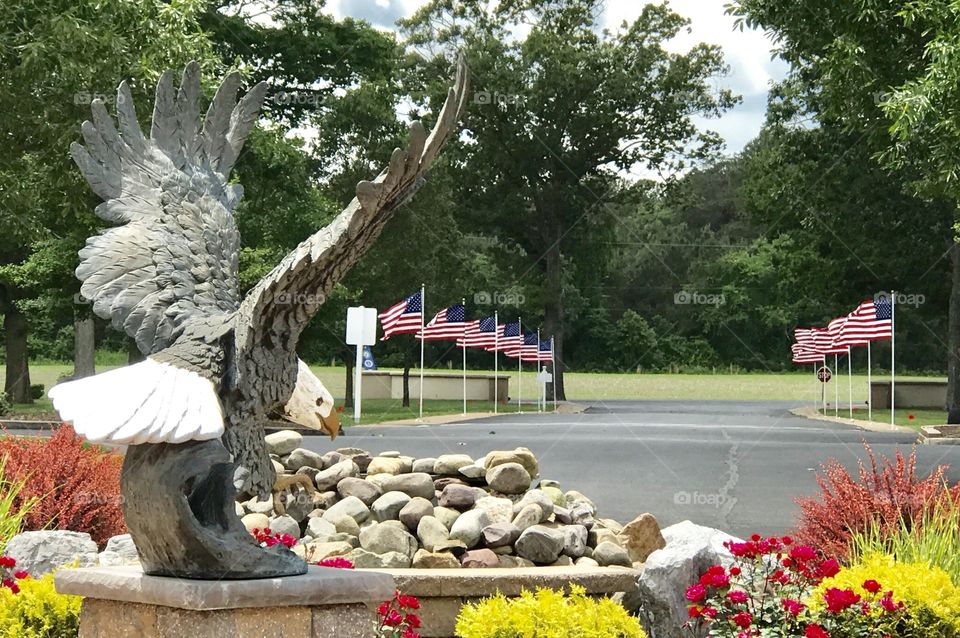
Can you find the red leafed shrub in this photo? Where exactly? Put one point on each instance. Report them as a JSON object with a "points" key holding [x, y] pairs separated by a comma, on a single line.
{"points": [[78, 485], [883, 494]]}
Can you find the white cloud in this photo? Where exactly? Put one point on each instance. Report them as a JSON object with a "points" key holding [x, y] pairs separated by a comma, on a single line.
{"points": [[747, 52]]}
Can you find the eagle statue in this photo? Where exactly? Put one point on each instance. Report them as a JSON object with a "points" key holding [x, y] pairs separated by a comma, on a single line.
{"points": [[217, 365]]}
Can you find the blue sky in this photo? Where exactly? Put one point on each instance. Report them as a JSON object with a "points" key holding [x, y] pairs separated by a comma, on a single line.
{"points": [[748, 53]]}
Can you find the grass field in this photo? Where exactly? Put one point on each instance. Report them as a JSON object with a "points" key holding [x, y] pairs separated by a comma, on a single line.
{"points": [[582, 386], [907, 417]]}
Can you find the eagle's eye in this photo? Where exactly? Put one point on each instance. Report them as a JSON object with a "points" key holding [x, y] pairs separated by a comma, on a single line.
{"points": [[319, 402]]}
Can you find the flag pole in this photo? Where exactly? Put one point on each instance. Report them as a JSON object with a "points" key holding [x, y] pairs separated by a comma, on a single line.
{"points": [[496, 345], [850, 381], [893, 357], [553, 369], [423, 311], [463, 302], [869, 386], [823, 388], [520, 369], [836, 386], [541, 393]]}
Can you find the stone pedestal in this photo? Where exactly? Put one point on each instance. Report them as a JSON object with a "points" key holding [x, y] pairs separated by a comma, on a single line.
{"points": [[122, 602]]}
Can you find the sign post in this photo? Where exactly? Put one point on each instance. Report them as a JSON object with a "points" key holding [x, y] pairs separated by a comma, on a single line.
{"points": [[543, 379], [361, 331]]}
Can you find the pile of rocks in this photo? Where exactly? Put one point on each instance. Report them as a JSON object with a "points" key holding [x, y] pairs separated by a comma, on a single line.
{"points": [[395, 511]]}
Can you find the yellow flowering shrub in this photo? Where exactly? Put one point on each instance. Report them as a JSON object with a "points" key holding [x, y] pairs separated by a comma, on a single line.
{"points": [[927, 591], [547, 614], [38, 611]]}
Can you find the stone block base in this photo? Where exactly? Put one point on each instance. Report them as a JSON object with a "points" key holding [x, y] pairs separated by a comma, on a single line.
{"points": [[112, 619], [121, 602]]}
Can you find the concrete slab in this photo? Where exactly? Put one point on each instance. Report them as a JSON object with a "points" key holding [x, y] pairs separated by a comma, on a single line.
{"points": [[320, 586]]}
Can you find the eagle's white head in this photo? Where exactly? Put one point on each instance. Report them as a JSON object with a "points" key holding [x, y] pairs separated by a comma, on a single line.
{"points": [[311, 404]]}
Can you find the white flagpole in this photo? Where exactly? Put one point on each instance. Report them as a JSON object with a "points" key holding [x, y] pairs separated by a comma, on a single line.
{"points": [[520, 369], [541, 392], [496, 345], [816, 386], [464, 303], [850, 381], [893, 358], [836, 386], [553, 369], [423, 312], [869, 386], [823, 388]]}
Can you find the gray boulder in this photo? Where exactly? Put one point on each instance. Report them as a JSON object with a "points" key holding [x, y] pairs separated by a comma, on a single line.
{"points": [[350, 506], [450, 464], [330, 477], [414, 510], [319, 528], [446, 515], [469, 527], [608, 553], [540, 544], [529, 516], [458, 497], [426, 465], [388, 506], [500, 534], [364, 490], [659, 599], [413, 484], [384, 538], [574, 541], [303, 458], [508, 478], [283, 442], [431, 533], [368, 560], [285, 525], [120, 550], [44, 551]]}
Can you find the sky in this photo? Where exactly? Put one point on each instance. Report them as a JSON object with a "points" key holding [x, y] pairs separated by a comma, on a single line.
{"points": [[752, 68]]}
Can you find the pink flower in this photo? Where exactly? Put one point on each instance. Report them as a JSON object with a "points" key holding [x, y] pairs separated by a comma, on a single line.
{"points": [[828, 569], [793, 607], [336, 561], [738, 597], [840, 599], [816, 631], [803, 553], [743, 620]]}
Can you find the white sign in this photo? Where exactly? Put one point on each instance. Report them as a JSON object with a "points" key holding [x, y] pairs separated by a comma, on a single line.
{"points": [[361, 326], [361, 331], [545, 377]]}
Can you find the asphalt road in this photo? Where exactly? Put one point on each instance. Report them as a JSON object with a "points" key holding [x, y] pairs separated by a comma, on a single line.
{"points": [[732, 465]]}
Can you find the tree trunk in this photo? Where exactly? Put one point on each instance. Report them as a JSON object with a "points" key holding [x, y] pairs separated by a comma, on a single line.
{"points": [[133, 352], [953, 330], [84, 347], [348, 398], [17, 386], [406, 378], [553, 316]]}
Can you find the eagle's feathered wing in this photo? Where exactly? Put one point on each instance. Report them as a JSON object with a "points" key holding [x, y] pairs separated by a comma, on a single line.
{"points": [[170, 261]]}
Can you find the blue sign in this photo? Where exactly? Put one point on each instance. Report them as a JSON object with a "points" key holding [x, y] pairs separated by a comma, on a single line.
{"points": [[368, 361]]}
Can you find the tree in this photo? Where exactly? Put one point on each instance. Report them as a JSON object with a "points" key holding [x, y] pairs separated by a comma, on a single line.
{"points": [[556, 111], [886, 72], [54, 57]]}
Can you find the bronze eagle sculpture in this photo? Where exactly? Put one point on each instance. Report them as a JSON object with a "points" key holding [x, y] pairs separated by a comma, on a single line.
{"points": [[217, 365]]}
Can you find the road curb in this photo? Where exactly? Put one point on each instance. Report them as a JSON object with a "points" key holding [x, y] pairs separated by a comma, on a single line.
{"points": [[566, 407], [863, 424]]}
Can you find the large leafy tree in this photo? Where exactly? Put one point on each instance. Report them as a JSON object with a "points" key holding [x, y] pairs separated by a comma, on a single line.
{"points": [[559, 106], [54, 56], [885, 71]]}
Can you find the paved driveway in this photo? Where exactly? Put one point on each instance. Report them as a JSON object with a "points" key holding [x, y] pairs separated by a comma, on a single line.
{"points": [[727, 464]]}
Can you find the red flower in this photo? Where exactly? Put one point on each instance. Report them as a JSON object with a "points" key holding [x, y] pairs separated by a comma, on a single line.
{"points": [[756, 538], [694, 611], [735, 571], [709, 612], [887, 602], [738, 597], [787, 541], [871, 586], [409, 633], [840, 599], [383, 608], [803, 553], [816, 631], [743, 620], [408, 602], [412, 620], [696, 593], [392, 618], [793, 607], [339, 562], [8, 562], [828, 569], [20, 574]]}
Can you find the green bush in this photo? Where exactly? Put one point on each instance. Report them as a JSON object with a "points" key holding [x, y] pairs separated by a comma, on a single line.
{"points": [[13, 508], [38, 611], [36, 391], [547, 614], [5, 406]]}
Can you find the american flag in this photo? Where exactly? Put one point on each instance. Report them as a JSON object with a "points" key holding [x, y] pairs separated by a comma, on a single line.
{"points": [[449, 323], [871, 321], [803, 355], [403, 317], [529, 348], [481, 333], [546, 350], [818, 341], [510, 338]]}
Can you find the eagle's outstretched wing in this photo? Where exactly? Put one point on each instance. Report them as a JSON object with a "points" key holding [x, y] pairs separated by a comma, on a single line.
{"points": [[173, 255], [277, 309]]}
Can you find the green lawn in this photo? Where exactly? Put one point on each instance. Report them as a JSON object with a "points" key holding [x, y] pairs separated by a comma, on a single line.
{"points": [[585, 386], [902, 417]]}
